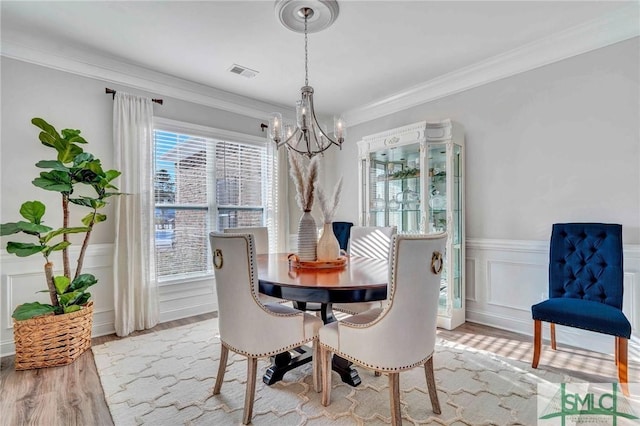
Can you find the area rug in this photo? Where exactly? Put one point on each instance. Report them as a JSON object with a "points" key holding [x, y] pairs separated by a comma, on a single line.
{"points": [[166, 378]]}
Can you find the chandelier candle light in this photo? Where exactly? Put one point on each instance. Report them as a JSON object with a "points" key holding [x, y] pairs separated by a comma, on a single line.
{"points": [[308, 138]]}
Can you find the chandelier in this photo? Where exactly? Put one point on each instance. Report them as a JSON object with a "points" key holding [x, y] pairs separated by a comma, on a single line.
{"points": [[308, 138]]}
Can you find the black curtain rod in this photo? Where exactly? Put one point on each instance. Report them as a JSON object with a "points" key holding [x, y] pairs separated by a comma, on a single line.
{"points": [[113, 93]]}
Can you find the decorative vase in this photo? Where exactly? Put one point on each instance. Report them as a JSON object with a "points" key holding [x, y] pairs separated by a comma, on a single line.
{"points": [[307, 237], [328, 246]]}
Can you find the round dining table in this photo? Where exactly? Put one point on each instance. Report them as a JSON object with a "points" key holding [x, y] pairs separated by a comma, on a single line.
{"points": [[317, 289]]}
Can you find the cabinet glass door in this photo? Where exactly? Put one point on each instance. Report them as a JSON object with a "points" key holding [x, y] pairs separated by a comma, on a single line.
{"points": [[394, 197]]}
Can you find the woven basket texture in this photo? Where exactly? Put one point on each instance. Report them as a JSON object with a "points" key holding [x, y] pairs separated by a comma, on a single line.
{"points": [[52, 340]]}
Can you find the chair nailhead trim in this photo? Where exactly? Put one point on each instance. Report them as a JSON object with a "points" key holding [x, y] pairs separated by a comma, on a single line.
{"points": [[268, 354], [375, 367]]}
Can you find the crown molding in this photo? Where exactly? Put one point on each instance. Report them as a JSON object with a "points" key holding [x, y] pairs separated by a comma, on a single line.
{"points": [[604, 31], [595, 34], [37, 51]]}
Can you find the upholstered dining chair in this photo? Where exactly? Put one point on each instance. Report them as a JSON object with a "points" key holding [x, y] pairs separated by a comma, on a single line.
{"points": [[401, 335], [585, 286], [372, 242], [342, 231], [260, 233], [247, 326]]}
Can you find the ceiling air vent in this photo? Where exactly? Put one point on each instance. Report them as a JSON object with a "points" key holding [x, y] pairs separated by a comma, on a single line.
{"points": [[243, 71]]}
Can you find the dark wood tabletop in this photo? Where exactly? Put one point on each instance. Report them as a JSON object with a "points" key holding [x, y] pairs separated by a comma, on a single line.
{"points": [[360, 280]]}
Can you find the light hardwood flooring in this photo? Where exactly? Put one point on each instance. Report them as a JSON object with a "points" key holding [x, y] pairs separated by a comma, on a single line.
{"points": [[72, 395]]}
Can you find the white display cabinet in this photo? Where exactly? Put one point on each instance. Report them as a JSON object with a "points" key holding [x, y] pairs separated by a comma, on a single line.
{"points": [[413, 177]]}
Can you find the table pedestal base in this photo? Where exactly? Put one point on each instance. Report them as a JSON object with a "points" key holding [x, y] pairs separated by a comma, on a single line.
{"points": [[284, 362]]}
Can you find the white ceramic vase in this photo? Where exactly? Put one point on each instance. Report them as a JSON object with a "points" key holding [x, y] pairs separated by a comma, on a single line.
{"points": [[307, 237], [328, 246]]}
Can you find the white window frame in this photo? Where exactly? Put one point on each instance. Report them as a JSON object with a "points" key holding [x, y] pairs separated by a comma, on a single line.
{"points": [[196, 130]]}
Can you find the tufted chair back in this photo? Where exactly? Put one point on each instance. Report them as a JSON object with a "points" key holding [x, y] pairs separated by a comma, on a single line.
{"points": [[260, 236], [342, 231], [371, 241], [585, 262], [585, 288]]}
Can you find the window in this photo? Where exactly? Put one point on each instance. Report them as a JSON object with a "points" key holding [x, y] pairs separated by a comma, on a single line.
{"points": [[202, 184]]}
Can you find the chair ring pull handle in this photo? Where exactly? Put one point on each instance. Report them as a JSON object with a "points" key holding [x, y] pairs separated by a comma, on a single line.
{"points": [[436, 262], [218, 260]]}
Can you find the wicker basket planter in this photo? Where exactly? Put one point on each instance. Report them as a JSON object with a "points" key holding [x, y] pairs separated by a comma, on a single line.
{"points": [[52, 340]]}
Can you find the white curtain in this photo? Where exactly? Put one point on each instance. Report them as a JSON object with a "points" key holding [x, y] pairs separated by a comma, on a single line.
{"points": [[277, 199], [134, 270]]}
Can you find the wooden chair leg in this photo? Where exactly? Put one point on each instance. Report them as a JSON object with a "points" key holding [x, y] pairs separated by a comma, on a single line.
{"points": [[317, 368], [325, 359], [431, 385], [537, 342], [394, 396], [222, 367], [622, 350], [252, 367], [552, 326], [617, 349]]}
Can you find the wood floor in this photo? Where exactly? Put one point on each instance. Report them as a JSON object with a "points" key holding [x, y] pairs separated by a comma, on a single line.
{"points": [[72, 395]]}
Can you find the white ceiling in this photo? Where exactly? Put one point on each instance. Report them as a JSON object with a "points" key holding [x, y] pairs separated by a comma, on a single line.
{"points": [[374, 50]]}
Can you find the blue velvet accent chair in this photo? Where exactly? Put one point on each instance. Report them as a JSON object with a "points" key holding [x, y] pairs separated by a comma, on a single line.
{"points": [[342, 230], [585, 287]]}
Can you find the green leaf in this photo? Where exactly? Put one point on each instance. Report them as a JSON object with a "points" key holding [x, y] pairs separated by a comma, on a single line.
{"points": [[84, 201], [53, 181], [32, 211], [82, 158], [52, 164], [61, 231], [32, 228], [60, 246], [47, 139], [83, 281], [46, 127], [72, 308], [83, 298], [111, 175], [61, 282], [94, 217], [66, 298], [9, 228], [66, 151], [23, 249], [30, 310]]}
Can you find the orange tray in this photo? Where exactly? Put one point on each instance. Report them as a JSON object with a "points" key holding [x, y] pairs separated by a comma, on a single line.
{"points": [[295, 262]]}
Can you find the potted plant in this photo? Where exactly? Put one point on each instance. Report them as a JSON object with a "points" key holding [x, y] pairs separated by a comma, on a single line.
{"points": [[57, 333]]}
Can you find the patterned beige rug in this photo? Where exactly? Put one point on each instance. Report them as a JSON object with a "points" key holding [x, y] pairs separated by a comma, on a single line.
{"points": [[166, 377]]}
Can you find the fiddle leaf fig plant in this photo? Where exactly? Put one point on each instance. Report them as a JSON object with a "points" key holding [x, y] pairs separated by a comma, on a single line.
{"points": [[73, 167]]}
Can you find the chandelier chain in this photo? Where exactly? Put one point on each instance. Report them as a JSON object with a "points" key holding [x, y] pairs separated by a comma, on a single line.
{"points": [[306, 54]]}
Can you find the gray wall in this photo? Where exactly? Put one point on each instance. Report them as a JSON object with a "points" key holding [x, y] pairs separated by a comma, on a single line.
{"points": [[70, 101], [558, 143]]}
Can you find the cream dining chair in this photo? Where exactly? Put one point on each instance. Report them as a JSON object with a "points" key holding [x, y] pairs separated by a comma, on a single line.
{"points": [[247, 326], [401, 335], [261, 239], [372, 242]]}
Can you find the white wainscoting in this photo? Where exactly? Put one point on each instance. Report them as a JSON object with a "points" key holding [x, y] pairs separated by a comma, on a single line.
{"points": [[23, 278], [505, 277]]}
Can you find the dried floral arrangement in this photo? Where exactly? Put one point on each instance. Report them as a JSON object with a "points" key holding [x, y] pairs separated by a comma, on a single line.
{"points": [[329, 206], [305, 182]]}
